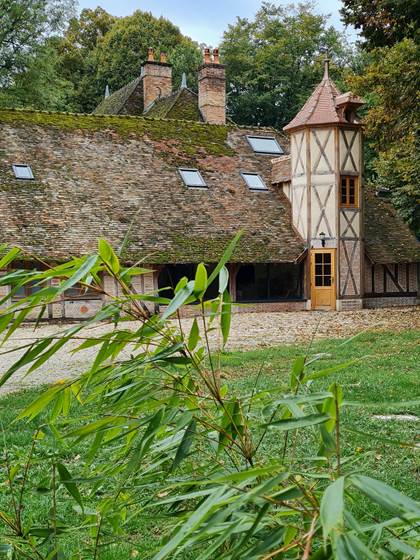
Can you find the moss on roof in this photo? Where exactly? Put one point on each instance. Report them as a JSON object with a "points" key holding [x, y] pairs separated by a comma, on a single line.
{"points": [[182, 104], [388, 239], [180, 136], [115, 103]]}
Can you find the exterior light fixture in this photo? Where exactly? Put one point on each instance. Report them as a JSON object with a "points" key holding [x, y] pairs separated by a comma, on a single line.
{"points": [[322, 238]]}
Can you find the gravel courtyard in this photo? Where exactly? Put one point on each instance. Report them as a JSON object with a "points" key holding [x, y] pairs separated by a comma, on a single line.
{"points": [[249, 330]]}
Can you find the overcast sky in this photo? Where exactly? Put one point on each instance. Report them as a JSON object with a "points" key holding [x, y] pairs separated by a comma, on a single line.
{"points": [[203, 20]]}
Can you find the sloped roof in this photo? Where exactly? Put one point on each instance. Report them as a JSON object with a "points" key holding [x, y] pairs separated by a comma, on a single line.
{"points": [[118, 101], [321, 107], [112, 176], [282, 169], [182, 104], [388, 239]]}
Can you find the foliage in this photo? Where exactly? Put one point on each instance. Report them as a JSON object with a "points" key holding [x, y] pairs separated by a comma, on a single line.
{"points": [[391, 85], [100, 49], [173, 443], [274, 62], [24, 24], [383, 22]]}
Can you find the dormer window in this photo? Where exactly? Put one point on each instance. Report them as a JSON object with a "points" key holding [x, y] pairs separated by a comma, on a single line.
{"points": [[192, 178], [265, 145], [22, 171], [254, 182]]}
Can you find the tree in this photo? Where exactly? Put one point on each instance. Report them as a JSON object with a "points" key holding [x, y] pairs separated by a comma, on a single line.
{"points": [[391, 86], [24, 25], [383, 22], [275, 61]]}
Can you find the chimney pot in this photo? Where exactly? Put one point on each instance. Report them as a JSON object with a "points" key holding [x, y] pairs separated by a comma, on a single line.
{"points": [[216, 56], [207, 57], [150, 54], [163, 57]]}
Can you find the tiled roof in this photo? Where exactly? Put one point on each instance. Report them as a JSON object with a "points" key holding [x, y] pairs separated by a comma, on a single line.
{"points": [[119, 101], [281, 170], [182, 104], [112, 176], [388, 239]]}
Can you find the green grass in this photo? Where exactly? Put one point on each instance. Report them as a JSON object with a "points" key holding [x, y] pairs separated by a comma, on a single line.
{"points": [[387, 371]]}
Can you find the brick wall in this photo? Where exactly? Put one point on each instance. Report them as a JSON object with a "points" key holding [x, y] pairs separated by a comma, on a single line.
{"points": [[373, 303], [212, 93], [157, 81]]}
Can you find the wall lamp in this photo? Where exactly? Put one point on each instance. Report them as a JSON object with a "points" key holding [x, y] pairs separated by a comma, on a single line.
{"points": [[322, 238]]}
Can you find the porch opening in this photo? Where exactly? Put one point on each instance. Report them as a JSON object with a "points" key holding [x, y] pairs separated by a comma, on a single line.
{"points": [[269, 282], [171, 274]]}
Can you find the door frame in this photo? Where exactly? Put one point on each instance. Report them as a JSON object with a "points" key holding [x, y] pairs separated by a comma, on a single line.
{"points": [[333, 287]]}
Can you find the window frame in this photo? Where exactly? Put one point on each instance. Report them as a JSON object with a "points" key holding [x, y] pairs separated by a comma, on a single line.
{"points": [[347, 203], [253, 189], [262, 152], [16, 165], [194, 170]]}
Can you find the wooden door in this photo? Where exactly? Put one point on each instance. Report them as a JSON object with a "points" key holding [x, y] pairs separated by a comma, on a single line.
{"points": [[323, 278]]}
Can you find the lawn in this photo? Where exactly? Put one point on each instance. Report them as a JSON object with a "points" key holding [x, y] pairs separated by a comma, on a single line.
{"points": [[386, 378]]}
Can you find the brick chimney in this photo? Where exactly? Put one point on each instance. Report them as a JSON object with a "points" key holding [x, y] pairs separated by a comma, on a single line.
{"points": [[212, 88], [157, 78]]}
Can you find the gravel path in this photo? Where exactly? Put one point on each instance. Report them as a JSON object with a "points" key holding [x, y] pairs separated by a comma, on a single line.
{"points": [[249, 330]]}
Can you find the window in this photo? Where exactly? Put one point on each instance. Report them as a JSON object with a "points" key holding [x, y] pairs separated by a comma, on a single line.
{"points": [[27, 290], [254, 181], [192, 178], [265, 145], [349, 191], [323, 272], [22, 171], [273, 282], [79, 291]]}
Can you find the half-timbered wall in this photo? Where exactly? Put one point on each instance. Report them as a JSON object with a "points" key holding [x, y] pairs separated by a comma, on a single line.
{"points": [[299, 189], [323, 181], [350, 254], [390, 279]]}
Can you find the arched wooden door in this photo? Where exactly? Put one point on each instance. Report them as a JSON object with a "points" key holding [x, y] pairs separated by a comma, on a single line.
{"points": [[323, 279]]}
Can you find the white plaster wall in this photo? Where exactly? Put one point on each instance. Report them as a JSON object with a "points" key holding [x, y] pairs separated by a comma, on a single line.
{"points": [[349, 164]]}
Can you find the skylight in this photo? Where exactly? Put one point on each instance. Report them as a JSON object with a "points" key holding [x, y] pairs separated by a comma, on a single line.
{"points": [[22, 171], [254, 181], [265, 145], [192, 178]]}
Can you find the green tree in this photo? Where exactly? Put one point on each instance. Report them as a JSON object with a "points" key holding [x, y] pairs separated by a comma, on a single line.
{"points": [[391, 86], [383, 22], [24, 25], [275, 61]]}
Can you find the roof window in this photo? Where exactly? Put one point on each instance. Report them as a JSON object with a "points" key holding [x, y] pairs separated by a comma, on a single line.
{"points": [[254, 181], [265, 145], [22, 171], [192, 178]]}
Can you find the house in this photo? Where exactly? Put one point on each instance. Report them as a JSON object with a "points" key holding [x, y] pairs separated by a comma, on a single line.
{"points": [[166, 171]]}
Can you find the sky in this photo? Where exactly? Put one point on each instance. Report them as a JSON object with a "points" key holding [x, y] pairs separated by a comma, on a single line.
{"points": [[203, 20]]}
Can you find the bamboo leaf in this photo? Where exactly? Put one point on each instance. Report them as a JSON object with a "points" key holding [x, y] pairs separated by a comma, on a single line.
{"points": [[225, 257], [200, 282], [332, 508], [223, 279], [185, 445], [69, 484], [194, 336], [226, 316], [108, 256], [179, 299], [294, 423], [385, 496]]}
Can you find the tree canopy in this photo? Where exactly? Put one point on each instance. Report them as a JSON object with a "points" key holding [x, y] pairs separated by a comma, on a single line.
{"points": [[275, 60], [383, 22]]}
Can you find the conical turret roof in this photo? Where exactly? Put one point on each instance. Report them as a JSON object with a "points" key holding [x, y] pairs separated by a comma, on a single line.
{"points": [[321, 107]]}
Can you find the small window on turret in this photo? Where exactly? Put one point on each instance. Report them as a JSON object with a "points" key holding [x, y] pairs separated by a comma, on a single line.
{"points": [[22, 171], [265, 145], [349, 196]]}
